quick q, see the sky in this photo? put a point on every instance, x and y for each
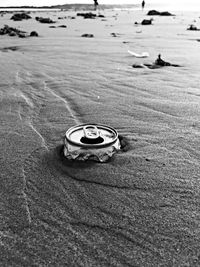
(176, 4)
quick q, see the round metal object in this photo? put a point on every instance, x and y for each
(91, 141)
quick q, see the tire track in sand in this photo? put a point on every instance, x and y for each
(29, 121)
(38, 133)
(28, 214)
(28, 108)
(67, 104)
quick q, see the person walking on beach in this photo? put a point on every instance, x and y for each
(95, 4)
(143, 4)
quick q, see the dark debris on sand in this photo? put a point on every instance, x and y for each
(159, 63)
(113, 34)
(157, 13)
(192, 27)
(147, 22)
(20, 16)
(34, 34)
(62, 17)
(87, 35)
(59, 26)
(89, 15)
(9, 48)
(7, 30)
(138, 66)
(62, 26)
(71, 17)
(44, 20)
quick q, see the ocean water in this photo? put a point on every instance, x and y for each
(28, 9)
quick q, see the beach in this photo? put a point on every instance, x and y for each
(142, 207)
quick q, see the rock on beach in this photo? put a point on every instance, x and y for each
(157, 13)
(44, 20)
(7, 30)
(87, 35)
(20, 16)
(88, 15)
(147, 22)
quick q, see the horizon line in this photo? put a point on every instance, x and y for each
(72, 4)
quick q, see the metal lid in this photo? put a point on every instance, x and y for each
(91, 135)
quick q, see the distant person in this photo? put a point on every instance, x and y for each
(95, 4)
(143, 4)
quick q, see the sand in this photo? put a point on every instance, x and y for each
(142, 207)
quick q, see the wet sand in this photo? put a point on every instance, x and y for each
(142, 207)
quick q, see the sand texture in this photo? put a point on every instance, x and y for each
(142, 208)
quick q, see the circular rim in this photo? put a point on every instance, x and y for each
(80, 126)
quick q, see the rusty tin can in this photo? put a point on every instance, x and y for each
(91, 142)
